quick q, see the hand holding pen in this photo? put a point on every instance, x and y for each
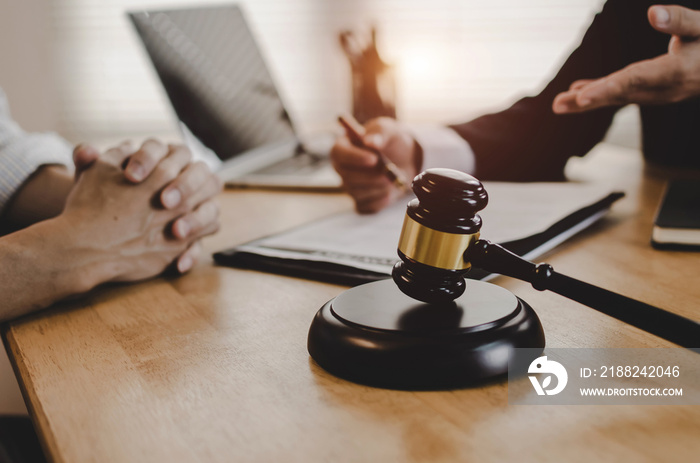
(356, 132)
(376, 161)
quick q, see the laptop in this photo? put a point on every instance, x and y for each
(229, 110)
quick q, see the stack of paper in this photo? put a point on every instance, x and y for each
(366, 244)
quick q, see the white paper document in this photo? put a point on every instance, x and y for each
(514, 211)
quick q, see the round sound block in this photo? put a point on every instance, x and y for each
(374, 334)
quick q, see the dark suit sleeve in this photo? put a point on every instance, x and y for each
(528, 142)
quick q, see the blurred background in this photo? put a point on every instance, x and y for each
(77, 67)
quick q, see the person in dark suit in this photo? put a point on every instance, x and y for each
(625, 57)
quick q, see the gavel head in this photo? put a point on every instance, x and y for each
(439, 226)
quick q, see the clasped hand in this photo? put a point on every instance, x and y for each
(136, 212)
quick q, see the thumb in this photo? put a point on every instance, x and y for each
(375, 140)
(676, 20)
(83, 157)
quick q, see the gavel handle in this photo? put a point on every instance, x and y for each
(495, 259)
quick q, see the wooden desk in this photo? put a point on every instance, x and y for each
(213, 366)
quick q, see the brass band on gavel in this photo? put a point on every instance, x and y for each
(434, 248)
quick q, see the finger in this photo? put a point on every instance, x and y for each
(378, 132)
(140, 164)
(365, 178)
(580, 83)
(377, 140)
(185, 185)
(647, 79)
(367, 194)
(211, 187)
(83, 157)
(188, 258)
(379, 124)
(170, 167)
(118, 154)
(345, 155)
(674, 44)
(204, 220)
(674, 19)
(385, 135)
(372, 205)
(565, 103)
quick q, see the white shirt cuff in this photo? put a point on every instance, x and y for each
(443, 147)
(23, 155)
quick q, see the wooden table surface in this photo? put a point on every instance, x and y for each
(213, 366)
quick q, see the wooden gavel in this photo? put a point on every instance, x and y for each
(440, 242)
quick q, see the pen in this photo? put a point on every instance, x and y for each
(356, 132)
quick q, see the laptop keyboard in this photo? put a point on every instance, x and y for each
(302, 163)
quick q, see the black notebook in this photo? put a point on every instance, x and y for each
(677, 223)
(351, 249)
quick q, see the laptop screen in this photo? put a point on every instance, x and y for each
(215, 77)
